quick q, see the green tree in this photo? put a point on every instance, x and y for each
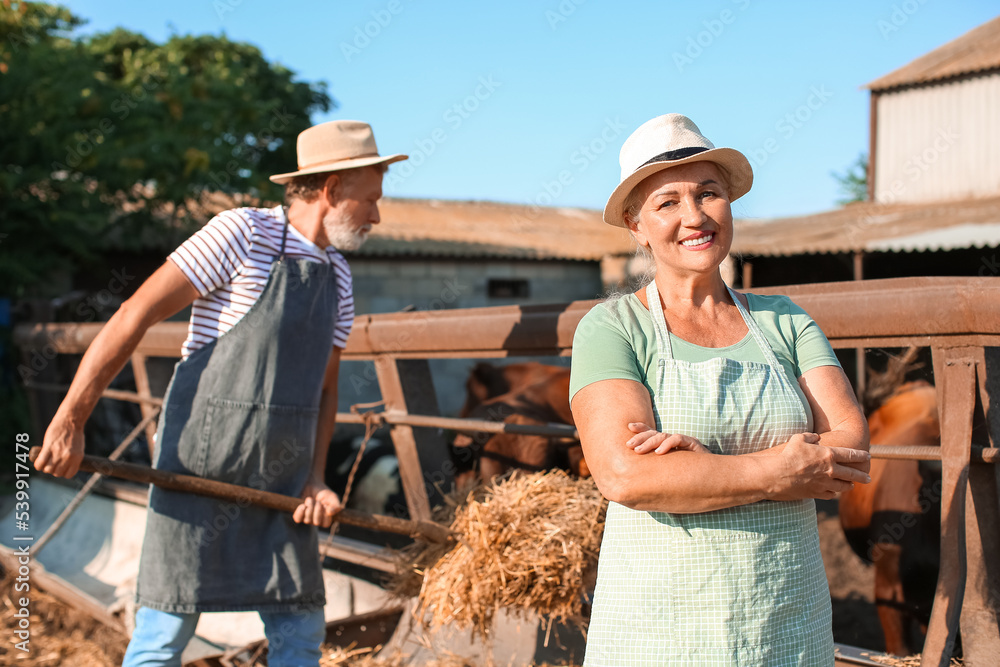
(113, 142)
(854, 181)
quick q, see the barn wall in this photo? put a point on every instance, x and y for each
(385, 285)
(390, 284)
(938, 142)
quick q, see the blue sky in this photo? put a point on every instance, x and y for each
(530, 102)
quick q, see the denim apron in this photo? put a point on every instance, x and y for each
(243, 409)
(738, 586)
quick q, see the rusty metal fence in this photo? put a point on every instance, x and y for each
(957, 318)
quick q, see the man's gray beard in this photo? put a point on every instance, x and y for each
(343, 237)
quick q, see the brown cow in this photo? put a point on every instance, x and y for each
(894, 522)
(487, 381)
(536, 394)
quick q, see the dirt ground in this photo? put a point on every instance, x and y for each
(61, 636)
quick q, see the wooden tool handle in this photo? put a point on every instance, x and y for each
(428, 530)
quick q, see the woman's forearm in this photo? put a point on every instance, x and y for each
(684, 482)
(679, 481)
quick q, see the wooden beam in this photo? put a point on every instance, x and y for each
(860, 362)
(955, 378)
(425, 469)
(872, 141)
(141, 375)
(866, 309)
(747, 275)
(980, 618)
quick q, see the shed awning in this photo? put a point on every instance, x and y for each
(970, 223)
(949, 238)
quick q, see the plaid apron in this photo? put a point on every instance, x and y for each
(739, 586)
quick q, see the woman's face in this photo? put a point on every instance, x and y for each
(686, 220)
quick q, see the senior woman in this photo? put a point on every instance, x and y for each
(711, 420)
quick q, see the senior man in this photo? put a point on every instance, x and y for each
(253, 401)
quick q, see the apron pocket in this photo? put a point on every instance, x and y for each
(735, 590)
(267, 447)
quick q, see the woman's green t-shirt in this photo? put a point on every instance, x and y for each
(615, 341)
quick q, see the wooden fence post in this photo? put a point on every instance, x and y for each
(424, 464)
(955, 377)
(980, 621)
(141, 376)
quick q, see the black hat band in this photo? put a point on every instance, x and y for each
(678, 154)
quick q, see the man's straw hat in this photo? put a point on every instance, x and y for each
(337, 145)
(668, 141)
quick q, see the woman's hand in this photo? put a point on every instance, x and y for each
(647, 439)
(808, 470)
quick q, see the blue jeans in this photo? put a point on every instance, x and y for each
(293, 638)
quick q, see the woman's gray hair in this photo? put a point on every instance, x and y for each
(632, 206)
(641, 268)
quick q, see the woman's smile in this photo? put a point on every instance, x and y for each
(685, 220)
(699, 241)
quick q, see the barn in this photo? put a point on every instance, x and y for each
(933, 205)
(430, 255)
(434, 254)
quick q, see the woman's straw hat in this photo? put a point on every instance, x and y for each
(333, 146)
(668, 141)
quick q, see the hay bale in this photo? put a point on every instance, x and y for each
(528, 542)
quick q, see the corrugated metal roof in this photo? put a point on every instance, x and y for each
(389, 247)
(467, 229)
(975, 51)
(432, 227)
(972, 223)
(949, 238)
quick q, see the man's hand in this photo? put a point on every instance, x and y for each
(648, 439)
(319, 504)
(62, 449)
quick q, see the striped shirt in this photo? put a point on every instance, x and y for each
(229, 261)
